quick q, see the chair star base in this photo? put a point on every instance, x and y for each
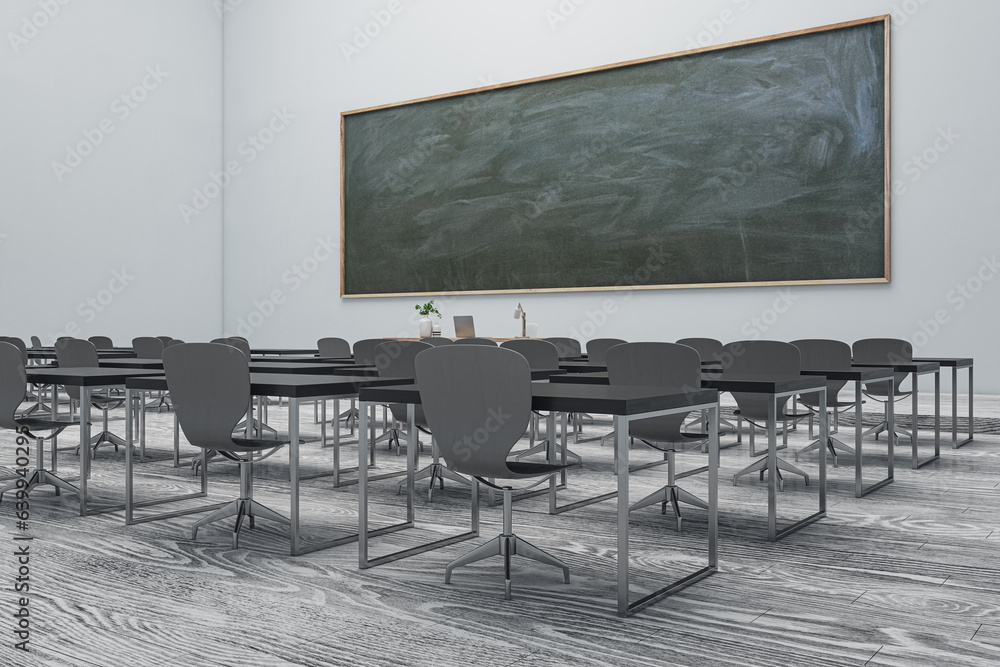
(506, 544)
(673, 495)
(832, 444)
(760, 465)
(39, 477)
(241, 508)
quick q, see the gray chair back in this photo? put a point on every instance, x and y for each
(883, 351)
(760, 357)
(437, 340)
(477, 401)
(147, 347)
(541, 354)
(395, 359)
(102, 342)
(19, 344)
(475, 341)
(36, 342)
(164, 339)
(822, 353)
(333, 347)
(568, 347)
(708, 349)
(597, 349)
(239, 343)
(76, 353)
(209, 386)
(364, 350)
(655, 365)
(13, 380)
(173, 341)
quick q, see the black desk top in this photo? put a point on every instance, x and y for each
(603, 400)
(860, 373)
(957, 362)
(763, 384)
(294, 368)
(281, 351)
(908, 366)
(279, 384)
(85, 377)
(35, 353)
(134, 363)
(582, 366)
(291, 359)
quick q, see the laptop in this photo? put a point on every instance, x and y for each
(464, 328)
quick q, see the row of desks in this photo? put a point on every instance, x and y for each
(566, 393)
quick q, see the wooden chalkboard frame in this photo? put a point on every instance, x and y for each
(885, 66)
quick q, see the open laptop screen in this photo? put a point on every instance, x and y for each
(464, 328)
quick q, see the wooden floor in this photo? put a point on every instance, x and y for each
(909, 575)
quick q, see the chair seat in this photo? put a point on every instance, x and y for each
(254, 444)
(529, 469)
(109, 402)
(33, 423)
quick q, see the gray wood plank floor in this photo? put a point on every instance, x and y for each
(909, 575)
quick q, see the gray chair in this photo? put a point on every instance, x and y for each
(541, 355)
(884, 351)
(769, 358)
(820, 353)
(102, 342)
(569, 348)
(476, 341)
(36, 342)
(395, 359)
(147, 347)
(660, 365)
(23, 350)
(597, 349)
(710, 349)
(76, 353)
(13, 380)
(364, 350)
(210, 383)
(164, 339)
(436, 341)
(461, 389)
(172, 341)
(334, 348)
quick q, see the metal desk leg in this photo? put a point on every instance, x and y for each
(859, 488)
(772, 451)
(621, 453)
(293, 470)
(917, 463)
(621, 456)
(84, 447)
(772, 467)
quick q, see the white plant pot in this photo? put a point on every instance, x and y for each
(425, 327)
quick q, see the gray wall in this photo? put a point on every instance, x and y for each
(125, 96)
(291, 67)
(292, 54)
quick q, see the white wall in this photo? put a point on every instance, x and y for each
(101, 248)
(60, 241)
(289, 54)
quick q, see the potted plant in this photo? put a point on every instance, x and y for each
(425, 322)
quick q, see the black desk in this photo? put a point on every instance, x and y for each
(88, 380)
(132, 364)
(956, 363)
(283, 351)
(296, 388)
(50, 353)
(916, 369)
(582, 367)
(624, 404)
(776, 387)
(289, 359)
(859, 376)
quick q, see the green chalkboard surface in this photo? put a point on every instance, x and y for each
(760, 162)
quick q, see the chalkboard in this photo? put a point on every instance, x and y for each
(759, 162)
